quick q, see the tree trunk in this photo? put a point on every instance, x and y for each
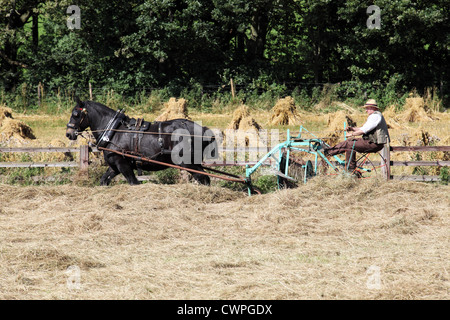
(17, 19)
(35, 32)
(259, 27)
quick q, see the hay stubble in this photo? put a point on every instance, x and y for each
(193, 242)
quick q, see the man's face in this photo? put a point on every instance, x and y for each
(370, 110)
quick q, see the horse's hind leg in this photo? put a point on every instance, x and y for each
(119, 165)
(200, 178)
(126, 169)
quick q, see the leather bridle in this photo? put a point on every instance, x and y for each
(83, 117)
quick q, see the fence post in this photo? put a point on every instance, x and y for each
(84, 158)
(39, 94)
(233, 88)
(386, 157)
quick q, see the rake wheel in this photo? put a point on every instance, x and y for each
(298, 169)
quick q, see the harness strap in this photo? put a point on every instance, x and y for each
(160, 139)
(136, 136)
(139, 128)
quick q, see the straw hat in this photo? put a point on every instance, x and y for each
(371, 103)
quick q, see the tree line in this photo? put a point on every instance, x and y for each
(262, 44)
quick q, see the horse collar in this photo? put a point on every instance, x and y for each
(112, 125)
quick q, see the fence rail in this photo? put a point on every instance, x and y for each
(83, 164)
(84, 151)
(386, 154)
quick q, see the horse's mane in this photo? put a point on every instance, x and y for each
(102, 109)
(97, 105)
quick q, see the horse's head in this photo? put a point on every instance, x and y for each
(78, 120)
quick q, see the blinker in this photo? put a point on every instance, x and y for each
(76, 113)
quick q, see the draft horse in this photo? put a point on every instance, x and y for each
(180, 142)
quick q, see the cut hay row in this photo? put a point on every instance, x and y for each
(5, 112)
(196, 242)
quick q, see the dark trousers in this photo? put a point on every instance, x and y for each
(356, 145)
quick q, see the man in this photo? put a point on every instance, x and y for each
(374, 136)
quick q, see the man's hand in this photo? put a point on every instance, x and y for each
(355, 132)
(350, 129)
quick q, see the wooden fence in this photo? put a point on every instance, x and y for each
(85, 150)
(82, 164)
(386, 154)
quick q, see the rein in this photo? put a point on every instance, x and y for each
(232, 178)
(186, 135)
(153, 132)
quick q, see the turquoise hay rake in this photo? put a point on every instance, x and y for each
(291, 169)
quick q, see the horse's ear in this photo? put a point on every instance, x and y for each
(79, 102)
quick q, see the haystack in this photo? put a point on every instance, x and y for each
(335, 126)
(417, 137)
(346, 106)
(12, 128)
(174, 109)
(57, 156)
(285, 113)
(422, 137)
(391, 118)
(242, 120)
(244, 124)
(248, 124)
(415, 111)
(389, 112)
(58, 143)
(5, 112)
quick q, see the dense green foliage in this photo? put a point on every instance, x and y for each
(269, 47)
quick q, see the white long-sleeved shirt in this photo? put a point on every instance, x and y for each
(372, 121)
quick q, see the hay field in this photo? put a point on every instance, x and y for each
(333, 238)
(320, 241)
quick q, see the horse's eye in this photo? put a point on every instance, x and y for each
(75, 113)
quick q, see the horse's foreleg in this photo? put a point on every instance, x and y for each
(106, 178)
